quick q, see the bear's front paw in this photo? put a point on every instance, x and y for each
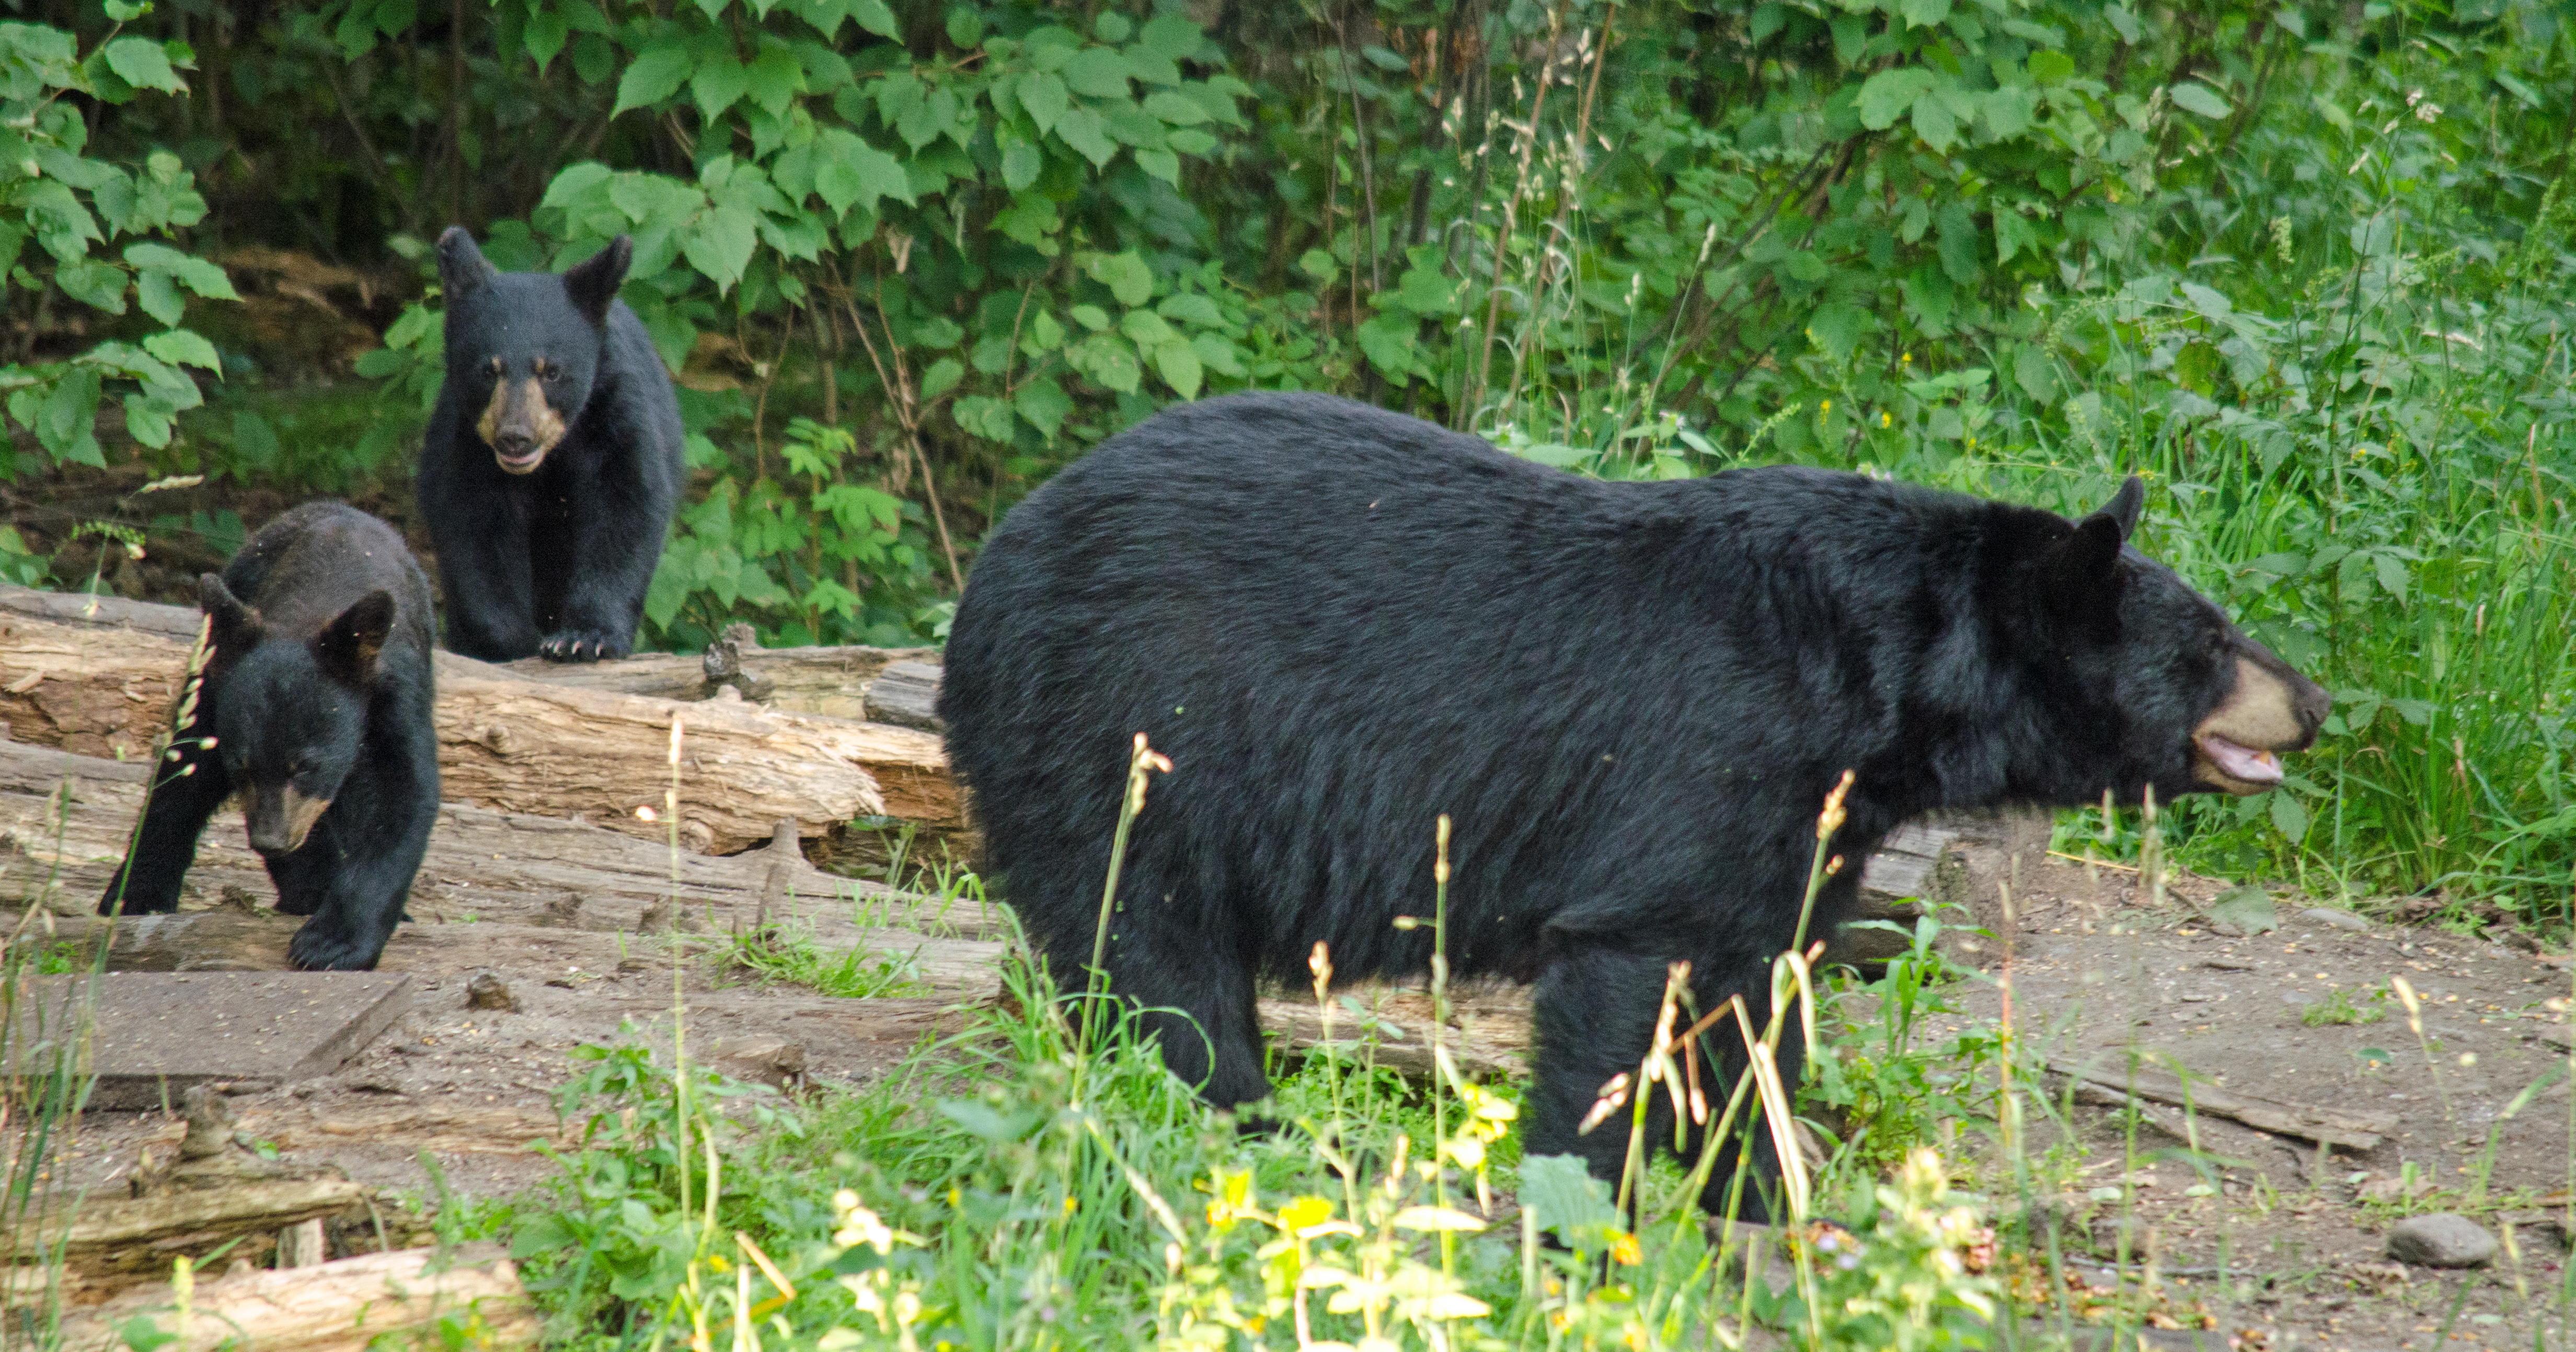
(318, 949)
(580, 645)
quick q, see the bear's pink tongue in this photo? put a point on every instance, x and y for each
(2243, 764)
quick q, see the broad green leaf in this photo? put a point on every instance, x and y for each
(720, 243)
(2051, 68)
(983, 416)
(2289, 815)
(1837, 328)
(655, 75)
(1179, 366)
(1126, 276)
(1162, 164)
(1563, 1196)
(1216, 354)
(2392, 575)
(874, 16)
(1109, 360)
(1935, 123)
(159, 296)
(94, 283)
(545, 34)
(143, 63)
(1044, 96)
(1146, 329)
(2193, 97)
(716, 84)
(183, 348)
(1191, 309)
(1172, 37)
(198, 275)
(1045, 404)
(1020, 163)
(942, 377)
(777, 77)
(1957, 224)
(1924, 13)
(1886, 96)
(1081, 129)
(1178, 109)
(1098, 72)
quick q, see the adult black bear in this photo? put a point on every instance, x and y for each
(1631, 697)
(315, 710)
(553, 461)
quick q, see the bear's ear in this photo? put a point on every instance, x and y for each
(2124, 507)
(462, 269)
(2085, 559)
(593, 284)
(347, 646)
(236, 628)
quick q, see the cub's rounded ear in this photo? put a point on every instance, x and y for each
(462, 269)
(594, 282)
(348, 645)
(236, 626)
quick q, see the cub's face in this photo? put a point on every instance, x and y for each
(290, 711)
(2153, 684)
(523, 348)
(288, 737)
(529, 369)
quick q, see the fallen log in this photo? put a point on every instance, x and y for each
(343, 1306)
(102, 1235)
(102, 685)
(65, 821)
(2348, 1128)
(532, 746)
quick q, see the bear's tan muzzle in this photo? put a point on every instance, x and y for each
(2271, 712)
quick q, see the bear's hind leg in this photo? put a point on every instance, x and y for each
(1594, 1019)
(1194, 994)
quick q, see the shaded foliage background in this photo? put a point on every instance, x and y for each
(2308, 266)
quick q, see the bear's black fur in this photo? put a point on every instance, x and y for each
(315, 710)
(553, 462)
(1632, 698)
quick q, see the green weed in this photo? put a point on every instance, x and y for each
(2361, 1005)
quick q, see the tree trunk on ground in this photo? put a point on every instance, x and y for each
(334, 1307)
(103, 686)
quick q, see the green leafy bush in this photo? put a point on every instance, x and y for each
(96, 229)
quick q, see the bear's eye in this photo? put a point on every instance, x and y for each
(303, 765)
(553, 375)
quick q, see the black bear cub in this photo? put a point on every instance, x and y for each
(553, 461)
(315, 712)
(1632, 699)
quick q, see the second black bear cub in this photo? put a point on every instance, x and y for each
(553, 462)
(315, 711)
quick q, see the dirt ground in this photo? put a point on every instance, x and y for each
(2255, 1240)
(2266, 1240)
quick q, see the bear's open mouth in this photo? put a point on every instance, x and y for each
(2241, 763)
(520, 464)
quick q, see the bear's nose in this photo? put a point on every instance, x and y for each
(515, 441)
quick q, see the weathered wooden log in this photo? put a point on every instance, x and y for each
(142, 1234)
(343, 1306)
(907, 693)
(65, 821)
(103, 686)
(532, 746)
